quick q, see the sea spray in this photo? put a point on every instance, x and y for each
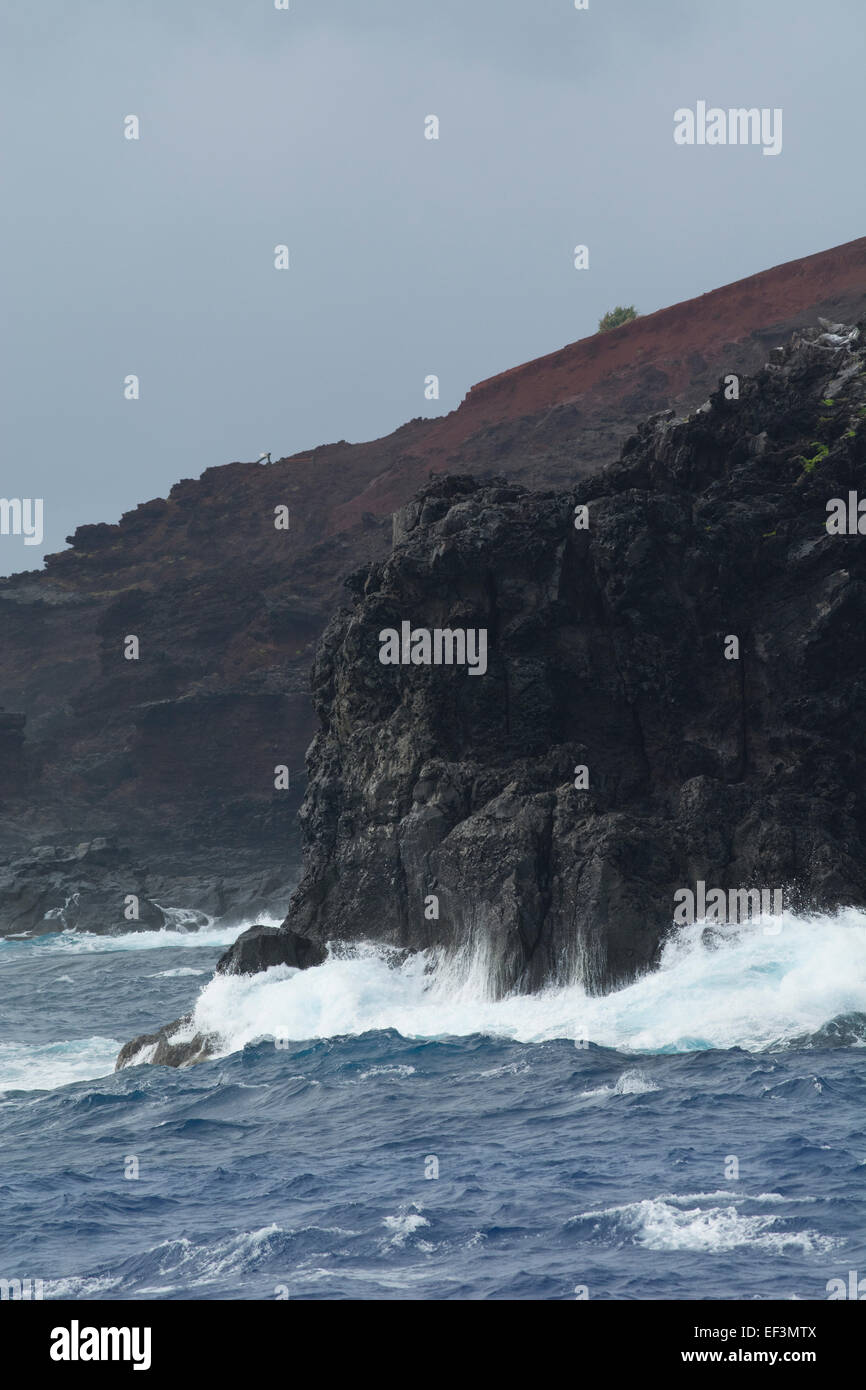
(734, 987)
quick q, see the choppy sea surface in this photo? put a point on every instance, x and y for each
(394, 1133)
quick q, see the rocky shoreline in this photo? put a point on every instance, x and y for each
(103, 887)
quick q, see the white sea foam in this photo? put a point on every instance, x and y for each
(88, 943)
(178, 973)
(746, 989)
(41, 1067)
(204, 1263)
(684, 1223)
(28, 1066)
(403, 1227)
(80, 1286)
(398, 1071)
(631, 1083)
(182, 1263)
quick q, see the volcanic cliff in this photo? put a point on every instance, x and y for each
(156, 777)
(674, 692)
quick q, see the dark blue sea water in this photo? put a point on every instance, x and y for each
(705, 1143)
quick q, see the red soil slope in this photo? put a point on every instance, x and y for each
(671, 351)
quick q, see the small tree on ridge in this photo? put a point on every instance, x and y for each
(614, 317)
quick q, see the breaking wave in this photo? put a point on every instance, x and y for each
(708, 1222)
(43, 1066)
(737, 986)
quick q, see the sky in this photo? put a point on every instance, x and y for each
(408, 257)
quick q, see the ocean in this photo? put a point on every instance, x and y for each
(382, 1131)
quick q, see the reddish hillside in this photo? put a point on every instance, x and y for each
(666, 358)
(669, 338)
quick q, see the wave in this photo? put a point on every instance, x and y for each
(402, 1228)
(42, 1067)
(673, 1222)
(26, 1066)
(631, 1083)
(85, 943)
(737, 986)
(179, 972)
(179, 1263)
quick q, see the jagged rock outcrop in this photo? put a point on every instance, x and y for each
(175, 1045)
(258, 948)
(104, 887)
(441, 806)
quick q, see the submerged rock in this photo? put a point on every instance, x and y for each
(845, 1030)
(172, 1046)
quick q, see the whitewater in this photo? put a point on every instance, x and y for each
(750, 988)
(696, 1134)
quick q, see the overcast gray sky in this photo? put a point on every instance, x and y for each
(408, 256)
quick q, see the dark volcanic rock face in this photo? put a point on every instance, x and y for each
(441, 807)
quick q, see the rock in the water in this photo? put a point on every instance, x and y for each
(175, 1045)
(845, 1030)
(258, 948)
